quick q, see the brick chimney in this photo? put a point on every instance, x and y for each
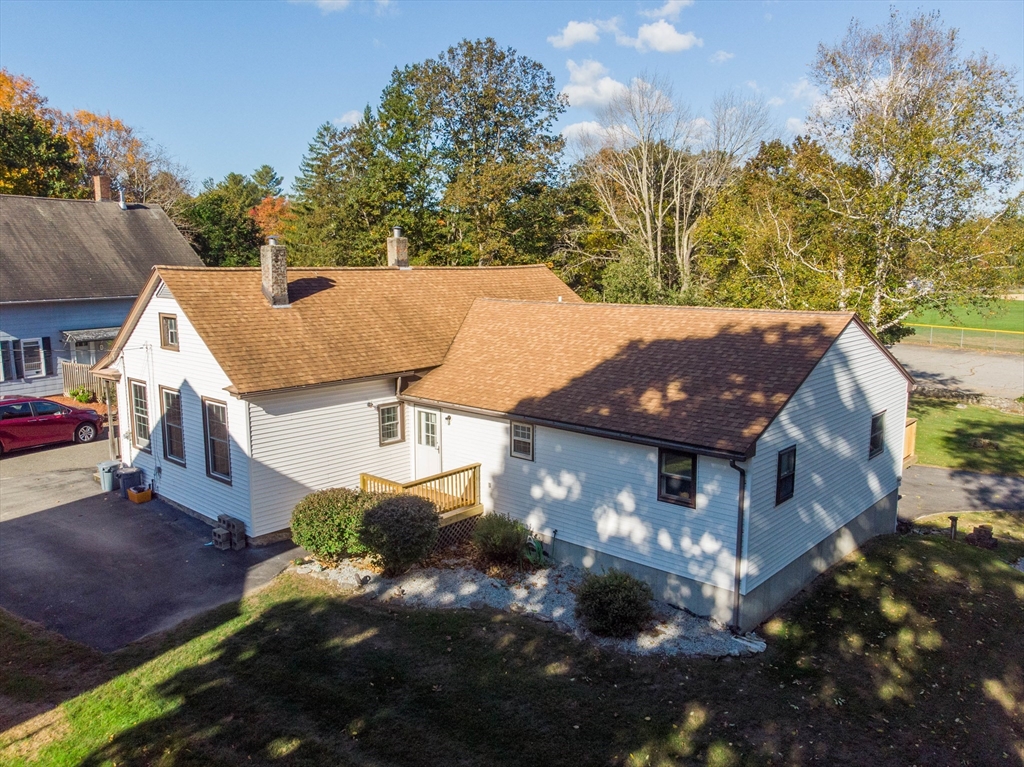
(274, 262)
(398, 249)
(101, 188)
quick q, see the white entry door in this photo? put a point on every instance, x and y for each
(428, 443)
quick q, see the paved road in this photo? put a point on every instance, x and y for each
(104, 571)
(989, 373)
(931, 490)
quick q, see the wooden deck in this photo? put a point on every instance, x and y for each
(456, 493)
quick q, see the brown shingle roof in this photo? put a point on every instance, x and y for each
(342, 323)
(710, 378)
(68, 249)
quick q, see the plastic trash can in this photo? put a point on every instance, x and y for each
(130, 477)
(108, 475)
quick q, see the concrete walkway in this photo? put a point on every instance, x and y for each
(989, 373)
(931, 490)
(105, 571)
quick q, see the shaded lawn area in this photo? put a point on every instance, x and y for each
(949, 436)
(1002, 315)
(910, 654)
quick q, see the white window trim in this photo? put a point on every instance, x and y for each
(42, 358)
(400, 423)
(512, 439)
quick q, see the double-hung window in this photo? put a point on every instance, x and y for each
(140, 414)
(32, 358)
(174, 427)
(218, 444)
(169, 332)
(390, 419)
(785, 477)
(877, 444)
(677, 477)
(522, 441)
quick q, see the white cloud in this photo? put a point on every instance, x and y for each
(670, 10)
(589, 84)
(804, 90)
(720, 57)
(351, 117)
(575, 32)
(660, 36)
(590, 132)
(752, 84)
(796, 126)
(775, 101)
(326, 6)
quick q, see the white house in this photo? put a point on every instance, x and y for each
(726, 456)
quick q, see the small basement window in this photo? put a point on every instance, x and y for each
(877, 446)
(169, 332)
(785, 478)
(391, 426)
(522, 441)
(677, 477)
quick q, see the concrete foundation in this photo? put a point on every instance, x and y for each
(755, 607)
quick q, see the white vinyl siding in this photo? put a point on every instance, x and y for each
(602, 494)
(194, 374)
(828, 420)
(311, 440)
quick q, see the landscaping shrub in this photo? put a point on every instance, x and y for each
(614, 604)
(399, 531)
(326, 523)
(500, 539)
(82, 394)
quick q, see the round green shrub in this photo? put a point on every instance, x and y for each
(326, 523)
(399, 531)
(614, 604)
(500, 539)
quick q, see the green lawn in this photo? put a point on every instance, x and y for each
(963, 437)
(1002, 315)
(910, 654)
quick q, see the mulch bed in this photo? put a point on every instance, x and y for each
(99, 407)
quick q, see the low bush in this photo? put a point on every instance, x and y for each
(326, 523)
(82, 394)
(500, 539)
(399, 531)
(614, 604)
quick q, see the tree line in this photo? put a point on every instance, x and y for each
(903, 191)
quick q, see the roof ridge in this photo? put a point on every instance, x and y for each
(89, 200)
(501, 267)
(835, 312)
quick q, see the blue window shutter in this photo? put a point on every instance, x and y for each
(19, 362)
(47, 357)
(7, 360)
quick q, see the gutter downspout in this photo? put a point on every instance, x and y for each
(739, 546)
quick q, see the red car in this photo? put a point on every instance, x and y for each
(29, 422)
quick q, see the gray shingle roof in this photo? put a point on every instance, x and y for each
(53, 249)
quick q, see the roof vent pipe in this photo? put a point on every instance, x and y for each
(398, 249)
(120, 201)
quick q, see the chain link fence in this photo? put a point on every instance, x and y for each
(967, 338)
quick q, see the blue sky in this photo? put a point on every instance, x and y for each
(230, 86)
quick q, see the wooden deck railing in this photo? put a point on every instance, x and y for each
(449, 490)
(75, 375)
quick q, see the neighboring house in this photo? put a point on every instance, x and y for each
(726, 456)
(70, 271)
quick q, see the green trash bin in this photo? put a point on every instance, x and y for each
(108, 475)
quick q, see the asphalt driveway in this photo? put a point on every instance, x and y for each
(989, 373)
(934, 490)
(105, 571)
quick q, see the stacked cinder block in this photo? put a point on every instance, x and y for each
(982, 537)
(237, 529)
(221, 538)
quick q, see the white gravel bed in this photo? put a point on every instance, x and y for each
(545, 595)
